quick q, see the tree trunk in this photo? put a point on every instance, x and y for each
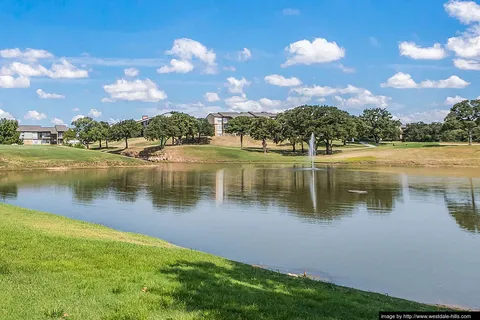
(264, 145)
(199, 137)
(469, 137)
(126, 143)
(100, 143)
(303, 150)
(173, 141)
(293, 147)
(241, 141)
(88, 146)
(328, 146)
(106, 144)
(344, 142)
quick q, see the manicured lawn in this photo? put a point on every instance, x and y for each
(12, 157)
(57, 268)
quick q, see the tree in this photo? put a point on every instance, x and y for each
(240, 126)
(292, 126)
(204, 128)
(103, 133)
(328, 124)
(159, 128)
(87, 130)
(125, 130)
(69, 135)
(182, 125)
(464, 115)
(379, 124)
(261, 129)
(8, 132)
(423, 132)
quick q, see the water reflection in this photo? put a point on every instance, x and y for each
(308, 194)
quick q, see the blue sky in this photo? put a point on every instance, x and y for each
(122, 59)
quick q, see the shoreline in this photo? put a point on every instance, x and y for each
(53, 232)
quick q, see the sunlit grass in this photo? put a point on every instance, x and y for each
(52, 267)
(25, 156)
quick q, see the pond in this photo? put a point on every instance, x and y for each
(415, 234)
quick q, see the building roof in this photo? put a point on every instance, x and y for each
(35, 128)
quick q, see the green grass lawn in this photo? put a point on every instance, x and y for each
(12, 157)
(52, 267)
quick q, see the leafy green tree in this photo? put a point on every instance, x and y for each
(159, 128)
(350, 131)
(423, 132)
(103, 133)
(454, 135)
(204, 128)
(69, 135)
(125, 130)
(329, 124)
(8, 132)
(87, 130)
(261, 129)
(464, 115)
(183, 125)
(379, 124)
(240, 126)
(291, 126)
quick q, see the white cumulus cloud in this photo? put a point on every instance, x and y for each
(281, 81)
(244, 55)
(467, 64)
(411, 50)
(131, 72)
(465, 11)
(75, 109)
(316, 91)
(28, 54)
(363, 98)
(94, 113)
(56, 121)
(136, 90)
(78, 116)
(211, 97)
(34, 115)
(346, 69)
(178, 66)
(436, 115)
(64, 69)
(404, 81)
(467, 45)
(14, 82)
(450, 101)
(43, 95)
(229, 68)
(186, 50)
(6, 115)
(236, 85)
(318, 51)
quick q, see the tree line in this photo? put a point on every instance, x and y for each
(330, 124)
(178, 126)
(294, 126)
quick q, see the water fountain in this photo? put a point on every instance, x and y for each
(311, 150)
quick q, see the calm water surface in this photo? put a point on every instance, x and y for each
(415, 234)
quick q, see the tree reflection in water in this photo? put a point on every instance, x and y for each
(323, 197)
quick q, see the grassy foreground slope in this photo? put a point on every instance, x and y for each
(21, 157)
(52, 267)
